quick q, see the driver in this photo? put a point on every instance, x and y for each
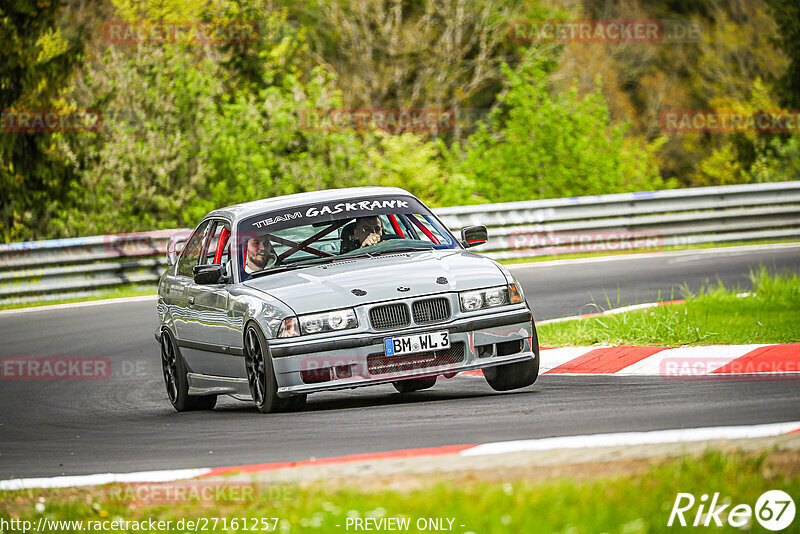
(260, 255)
(368, 231)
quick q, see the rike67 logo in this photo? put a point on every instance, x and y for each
(774, 510)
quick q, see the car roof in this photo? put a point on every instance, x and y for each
(241, 211)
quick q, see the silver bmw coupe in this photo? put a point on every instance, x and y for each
(275, 299)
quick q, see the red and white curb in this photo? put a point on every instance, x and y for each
(709, 361)
(618, 439)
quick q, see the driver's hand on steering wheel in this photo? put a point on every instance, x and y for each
(371, 239)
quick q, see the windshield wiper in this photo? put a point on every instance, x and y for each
(401, 249)
(312, 263)
(281, 269)
(364, 254)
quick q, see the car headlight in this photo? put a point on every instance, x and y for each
(315, 323)
(484, 298)
(471, 300)
(491, 297)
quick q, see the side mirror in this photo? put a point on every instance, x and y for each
(472, 236)
(175, 246)
(208, 274)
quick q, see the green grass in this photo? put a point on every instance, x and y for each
(131, 290)
(715, 315)
(601, 253)
(638, 501)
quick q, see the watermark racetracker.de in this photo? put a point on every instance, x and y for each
(196, 493)
(730, 121)
(141, 243)
(706, 368)
(189, 32)
(50, 120)
(55, 368)
(42, 368)
(549, 242)
(394, 121)
(606, 31)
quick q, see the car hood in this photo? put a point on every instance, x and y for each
(364, 280)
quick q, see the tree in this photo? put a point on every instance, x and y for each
(36, 61)
(426, 54)
(177, 143)
(787, 15)
(540, 145)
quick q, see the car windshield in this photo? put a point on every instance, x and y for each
(317, 233)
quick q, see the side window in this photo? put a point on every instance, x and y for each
(427, 232)
(387, 226)
(218, 249)
(423, 228)
(407, 230)
(191, 252)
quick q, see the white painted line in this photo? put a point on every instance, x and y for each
(645, 255)
(53, 307)
(687, 361)
(624, 309)
(634, 438)
(552, 358)
(503, 447)
(102, 478)
(612, 311)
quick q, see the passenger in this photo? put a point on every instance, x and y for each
(259, 256)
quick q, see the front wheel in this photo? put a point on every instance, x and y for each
(174, 370)
(261, 377)
(515, 375)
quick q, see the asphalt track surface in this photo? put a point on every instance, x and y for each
(125, 423)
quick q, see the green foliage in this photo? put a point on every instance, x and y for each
(787, 15)
(141, 169)
(751, 157)
(541, 145)
(409, 162)
(259, 147)
(191, 127)
(176, 144)
(722, 167)
(36, 60)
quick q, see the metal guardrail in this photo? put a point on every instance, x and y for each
(651, 219)
(65, 268)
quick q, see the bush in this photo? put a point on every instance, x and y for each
(539, 145)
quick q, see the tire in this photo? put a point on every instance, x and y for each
(261, 376)
(174, 370)
(515, 375)
(415, 384)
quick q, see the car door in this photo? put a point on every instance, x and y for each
(177, 286)
(215, 336)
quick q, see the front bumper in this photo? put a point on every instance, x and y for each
(357, 360)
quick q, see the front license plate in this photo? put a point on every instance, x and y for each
(416, 343)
